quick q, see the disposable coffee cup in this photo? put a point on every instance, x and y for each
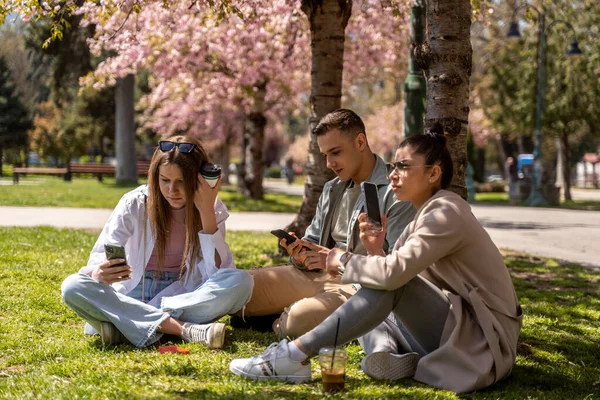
(333, 374)
(211, 173)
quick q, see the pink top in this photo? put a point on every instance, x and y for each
(175, 244)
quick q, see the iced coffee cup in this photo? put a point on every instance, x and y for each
(333, 373)
(211, 173)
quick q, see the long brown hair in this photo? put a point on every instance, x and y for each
(159, 210)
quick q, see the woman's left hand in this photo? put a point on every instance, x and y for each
(205, 196)
(333, 261)
(371, 238)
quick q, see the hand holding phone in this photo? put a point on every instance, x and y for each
(115, 252)
(281, 234)
(294, 247)
(372, 204)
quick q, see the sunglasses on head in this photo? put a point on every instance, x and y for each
(165, 145)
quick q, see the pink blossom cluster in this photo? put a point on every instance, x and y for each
(206, 67)
(385, 129)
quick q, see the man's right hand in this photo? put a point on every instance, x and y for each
(110, 271)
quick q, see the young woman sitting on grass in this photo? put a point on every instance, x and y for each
(441, 307)
(179, 275)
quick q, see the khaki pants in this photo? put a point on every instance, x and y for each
(303, 298)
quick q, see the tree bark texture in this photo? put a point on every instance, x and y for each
(126, 171)
(250, 178)
(446, 57)
(328, 20)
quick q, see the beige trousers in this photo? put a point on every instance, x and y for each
(304, 298)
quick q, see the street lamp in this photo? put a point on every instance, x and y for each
(415, 86)
(537, 198)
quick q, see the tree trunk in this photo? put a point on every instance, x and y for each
(328, 20)
(446, 58)
(125, 131)
(250, 178)
(566, 165)
(1, 156)
(480, 167)
(222, 157)
(501, 159)
(520, 146)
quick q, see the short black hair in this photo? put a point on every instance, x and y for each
(346, 121)
(432, 146)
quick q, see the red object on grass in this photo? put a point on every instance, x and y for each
(172, 349)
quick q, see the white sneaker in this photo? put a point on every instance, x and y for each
(274, 363)
(110, 334)
(212, 335)
(389, 366)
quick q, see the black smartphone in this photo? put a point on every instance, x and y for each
(281, 234)
(113, 252)
(372, 204)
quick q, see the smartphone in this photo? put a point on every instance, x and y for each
(281, 234)
(372, 204)
(113, 252)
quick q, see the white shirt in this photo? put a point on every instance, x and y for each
(125, 227)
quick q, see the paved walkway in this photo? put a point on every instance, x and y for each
(570, 235)
(564, 234)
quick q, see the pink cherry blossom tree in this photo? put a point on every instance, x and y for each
(236, 67)
(211, 75)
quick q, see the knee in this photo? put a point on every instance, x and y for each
(72, 287)
(298, 319)
(241, 280)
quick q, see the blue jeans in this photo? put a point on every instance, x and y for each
(225, 292)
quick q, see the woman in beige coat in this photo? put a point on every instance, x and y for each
(441, 307)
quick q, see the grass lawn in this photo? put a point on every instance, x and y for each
(88, 192)
(43, 353)
(502, 198)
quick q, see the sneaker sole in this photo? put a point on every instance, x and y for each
(385, 366)
(263, 378)
(217, 336)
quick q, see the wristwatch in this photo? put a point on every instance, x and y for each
(344, 258)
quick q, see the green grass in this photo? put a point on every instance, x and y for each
(43, 353)
(491, 197)
(88, 192)
(502, 198)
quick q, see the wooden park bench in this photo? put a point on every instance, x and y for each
(103, 169)
(79, 168)
(37, 171)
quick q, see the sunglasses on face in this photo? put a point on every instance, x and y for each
(165, 145)
(402, 167)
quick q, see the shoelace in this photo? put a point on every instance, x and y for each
(197, 333)
(270, 352)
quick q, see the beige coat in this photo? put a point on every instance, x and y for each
(446, 245)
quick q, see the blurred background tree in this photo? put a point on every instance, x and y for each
(14, 117)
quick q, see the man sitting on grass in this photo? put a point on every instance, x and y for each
(303, 293)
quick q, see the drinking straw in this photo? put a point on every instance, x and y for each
(337, 330)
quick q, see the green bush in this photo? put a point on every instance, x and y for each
(273, 172)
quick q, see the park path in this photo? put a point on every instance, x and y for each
(570, 235)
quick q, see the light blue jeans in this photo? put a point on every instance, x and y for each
(225, 292)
